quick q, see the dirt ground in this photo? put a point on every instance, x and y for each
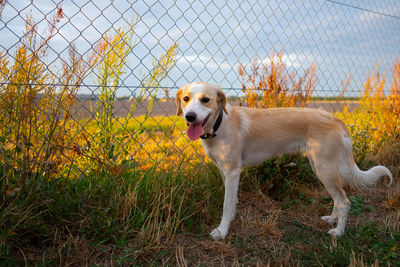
(268, 232)
(264, 228)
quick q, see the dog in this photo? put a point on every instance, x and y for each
(237, 137)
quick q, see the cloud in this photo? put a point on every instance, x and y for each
(292, 60)
(381, 12)
(203, 61)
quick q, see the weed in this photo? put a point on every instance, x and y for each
(273, 87)
(34, 115)
(375, 123)
(370, 241)
(358, 206)
(111, 146)
(114, 51)
(281, 177)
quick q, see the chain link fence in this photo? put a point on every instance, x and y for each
(90, 85)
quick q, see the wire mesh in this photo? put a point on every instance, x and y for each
(91, 84)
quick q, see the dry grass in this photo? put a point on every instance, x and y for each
(392, 220)
(262, 235)
(358, 261)
(265, 232)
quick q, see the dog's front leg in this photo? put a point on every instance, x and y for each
(230, 201)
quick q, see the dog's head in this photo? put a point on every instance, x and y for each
(200, 105)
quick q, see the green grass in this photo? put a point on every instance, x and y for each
(358, 206)
(315, 248)
(146, 208)
(141, 217)
(369, 240)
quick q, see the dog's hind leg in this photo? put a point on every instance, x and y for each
(330, 219)
(231, 181)
(341, 204)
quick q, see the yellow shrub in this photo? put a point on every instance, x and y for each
(377, 118)
(34, 113)
(269, 86)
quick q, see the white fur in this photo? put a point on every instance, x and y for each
(196, 107)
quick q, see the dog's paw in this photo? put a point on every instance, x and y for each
(218, 234)
(334, 232)
(329, 219)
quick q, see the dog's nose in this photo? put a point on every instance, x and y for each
(190, 116)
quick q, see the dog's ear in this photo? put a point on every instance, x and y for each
(178, 102)
(221, 99)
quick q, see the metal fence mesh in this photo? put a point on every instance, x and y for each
(106, 72)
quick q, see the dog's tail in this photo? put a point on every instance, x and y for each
(349, 170)
(363, 179)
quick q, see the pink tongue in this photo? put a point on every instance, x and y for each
(194, 131)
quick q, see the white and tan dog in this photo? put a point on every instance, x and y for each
(238, 137)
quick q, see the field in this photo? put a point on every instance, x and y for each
(83, 109)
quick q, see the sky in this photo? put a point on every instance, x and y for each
(342, 37)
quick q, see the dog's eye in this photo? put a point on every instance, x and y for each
(204, 100)
(186, 99)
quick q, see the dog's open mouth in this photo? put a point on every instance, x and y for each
(196, 129)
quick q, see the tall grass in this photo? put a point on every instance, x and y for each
(144, 209)
(114, 51)
(269, 85)
(375, 122)
(34, 114)
(115, 140)
(42, 147)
